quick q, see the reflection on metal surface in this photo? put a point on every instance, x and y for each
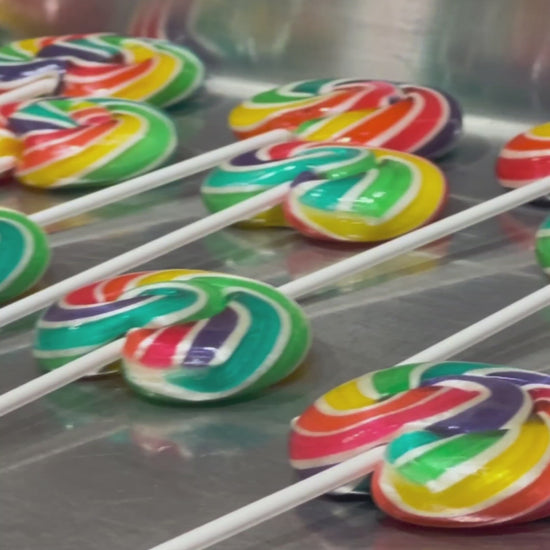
(252, 30)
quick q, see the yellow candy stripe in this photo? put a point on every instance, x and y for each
(105, 147)
(499, 478)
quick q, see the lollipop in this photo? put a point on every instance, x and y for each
(251, 173)
(190, 335)
(407, 118)
(525, 158)
(83, 142)
(467, 443)
(24, 253)
(338, 192)
(154, 71)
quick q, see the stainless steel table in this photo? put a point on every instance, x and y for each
(92, 466)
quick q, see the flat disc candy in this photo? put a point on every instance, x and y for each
(525, 158)
(467, 444)
(394, 194)
(408, 118)
(84, 142)
(24, 254)
(190, 335)
(256, 171)
(105, 65)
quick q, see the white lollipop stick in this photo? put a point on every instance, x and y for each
(299, 287)
(277, 503)
(155, 179)
(144, 253)
(303, 286)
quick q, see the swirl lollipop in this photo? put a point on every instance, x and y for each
(189, 335)
(467, 443)
(407, 118)
(338, 192)
(155, 71)
(525, 158)
(24, 253)
(83, 142)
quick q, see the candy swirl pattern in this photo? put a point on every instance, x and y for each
(525, 158)
(155, 71)
(395, 194)
(189, 335)
(254, 172)
(74, 142)
(24, 254)
(467, 444)
(407, 118)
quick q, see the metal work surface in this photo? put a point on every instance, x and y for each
(92, 466)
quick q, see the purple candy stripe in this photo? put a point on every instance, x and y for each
(522, 378)
(445, 138)
(212, 337)
(17, 71)
(56, 314)
(248, 159)
(68, 50)
(20, 126)
(505, 400)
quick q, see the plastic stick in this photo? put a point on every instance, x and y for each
(415, 239)
(336, 476)
(275, 504)
(142, 254)
(35, 389)
(300, 287)
(155, 179)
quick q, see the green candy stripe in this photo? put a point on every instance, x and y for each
(307, 88)
(150, 147)
(404, 377)
(441, 453)
(58, 342)
(237, 180)
(276, 337)
(542, 245)
(24, 254)
(381, 194)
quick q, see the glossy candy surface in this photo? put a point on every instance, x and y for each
(406, 118)
(190, 335)
(339, 192)
(82, 142)
(467, 444)
(525, 158)
(140, 69)
(24, 254)
(395, 194)
(257, 171)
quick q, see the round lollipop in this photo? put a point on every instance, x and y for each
(24, 253)
(53, 143)
(155, 71)
(189, 335)
(467, 444)
(525, 158)
(408, 118)
(338, 192)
